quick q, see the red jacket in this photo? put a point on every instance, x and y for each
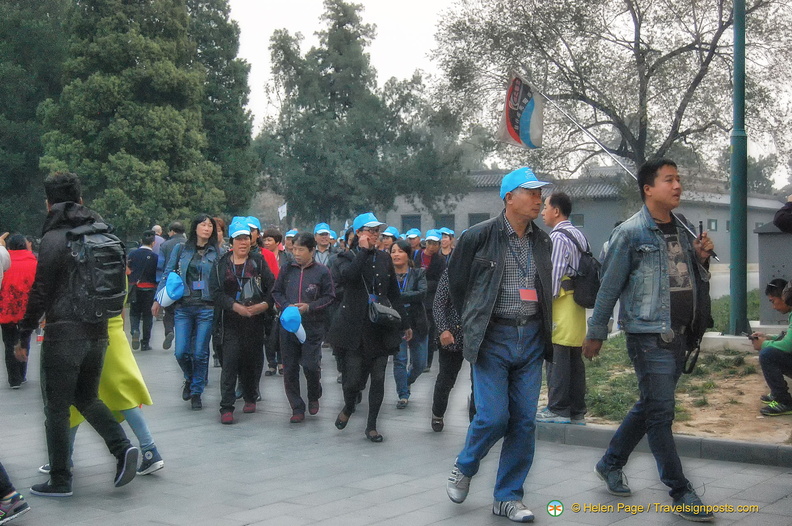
(17, 282)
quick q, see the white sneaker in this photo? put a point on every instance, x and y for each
(458, 486)
(513, 509)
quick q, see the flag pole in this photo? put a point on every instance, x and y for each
(606, 151)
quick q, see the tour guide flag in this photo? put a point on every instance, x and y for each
(522, 115)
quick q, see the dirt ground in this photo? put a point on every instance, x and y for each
(732, 412)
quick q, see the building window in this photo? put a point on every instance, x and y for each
(577, 220)
(411, 221)
(445, 220)
(712, 225)
(474, 219)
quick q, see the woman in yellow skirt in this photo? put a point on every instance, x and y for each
(122, 389)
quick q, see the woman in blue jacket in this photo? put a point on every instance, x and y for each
(195, 311)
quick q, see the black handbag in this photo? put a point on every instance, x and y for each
(381, 314)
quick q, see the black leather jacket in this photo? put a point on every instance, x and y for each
(475, 273)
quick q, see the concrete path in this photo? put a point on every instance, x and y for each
(263, 470)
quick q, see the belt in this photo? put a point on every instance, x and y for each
(672, 333)
(516, 322)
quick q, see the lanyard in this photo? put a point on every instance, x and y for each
(241, 274)
(519, 263)
(403, 283)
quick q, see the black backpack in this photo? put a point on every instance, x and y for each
(97, 272)
(586, 282)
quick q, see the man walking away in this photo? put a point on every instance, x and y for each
(72, 351)
(142, 287)
(176, 237)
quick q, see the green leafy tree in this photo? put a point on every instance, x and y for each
(641, 75)
(128, 120)
(226, 122)
(32, 50)
(339, 145)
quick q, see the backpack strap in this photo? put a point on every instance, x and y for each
(572, 238)
(88, 229)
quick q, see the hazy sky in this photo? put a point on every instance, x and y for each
(405, 36)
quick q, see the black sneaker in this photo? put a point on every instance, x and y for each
(766, 399)
(135, 340)
(145, 347)
(13, 507)
(776, 408)
(166, 343)
(196, 402)
(126, 468)
(614, 479)
(47, 489)
(689, 507)
(186, 390)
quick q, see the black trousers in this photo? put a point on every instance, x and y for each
(140, 310)
(70, 372)
(242, 349)
(17, 371)
(450, 364)
(566, 382)
(309, 356)
(358, 367)
(5, 483)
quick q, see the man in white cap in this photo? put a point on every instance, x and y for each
(500, 280)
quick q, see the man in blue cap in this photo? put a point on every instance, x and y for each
(500, 281)
(433, 264)
(323, 248)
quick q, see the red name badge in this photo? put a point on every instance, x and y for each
(528, 295)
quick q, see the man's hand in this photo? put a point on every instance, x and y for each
(757, 339)
(408, 335)
(155, 309)
(704, 246)
(257, 308)
(446, 338)
(591, 348)
(3, 238)
(363, 242)
(20, 353)
(302, 307)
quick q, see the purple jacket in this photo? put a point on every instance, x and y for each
(312, 285)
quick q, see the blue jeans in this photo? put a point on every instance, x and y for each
(658, 366)
(193, 326)
(418, 348)
(775, 365)
(506, 379)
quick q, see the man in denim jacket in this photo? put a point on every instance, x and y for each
(655, 267)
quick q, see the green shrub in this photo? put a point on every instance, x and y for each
(721, 309)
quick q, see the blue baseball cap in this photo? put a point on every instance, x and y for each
(433, 235)
(446, 230)
(290, 233)
(172, 292)
(321, 228)
(291, 319)
(520, 178)
(253, 222)
(238, 228)
(391, 231)
(333, 234)
(413, 232)
(368, 219)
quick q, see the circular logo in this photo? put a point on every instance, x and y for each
(555, 508)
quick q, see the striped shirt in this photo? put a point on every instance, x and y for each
(566, 257)
(518, 261)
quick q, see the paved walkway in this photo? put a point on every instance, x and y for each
(263, 470)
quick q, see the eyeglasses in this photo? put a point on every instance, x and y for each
(372, 229)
